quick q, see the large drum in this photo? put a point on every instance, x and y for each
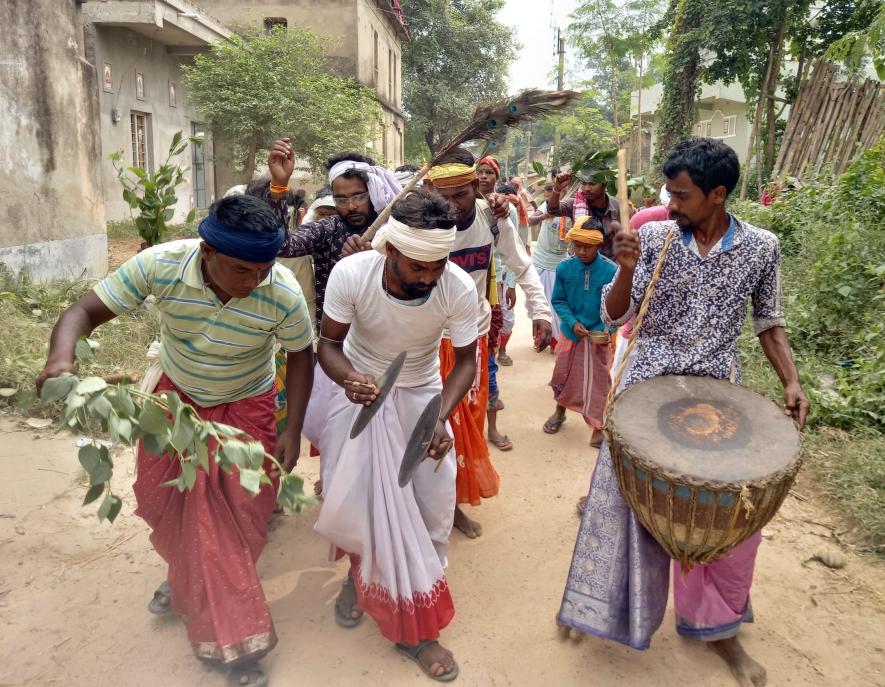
(703, 463)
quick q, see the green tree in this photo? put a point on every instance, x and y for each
(457, 58)
(678, 109)
(261, 86)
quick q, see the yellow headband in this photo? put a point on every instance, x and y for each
(578, 233)
(452, 174)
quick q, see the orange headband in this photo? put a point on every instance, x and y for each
(452, 174)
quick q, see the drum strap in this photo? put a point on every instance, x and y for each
(643, 308)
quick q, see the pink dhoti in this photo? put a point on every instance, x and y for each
(581, 378)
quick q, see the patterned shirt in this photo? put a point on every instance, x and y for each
(212, 351)
(700, 303)
(322, 240)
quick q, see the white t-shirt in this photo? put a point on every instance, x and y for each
(382, 327)
(473, 251)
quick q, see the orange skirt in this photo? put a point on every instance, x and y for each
(477, 477)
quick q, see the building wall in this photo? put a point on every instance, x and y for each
(52, 215)
(128, 53)
(710, 122)
(351, 26)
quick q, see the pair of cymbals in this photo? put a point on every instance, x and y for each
(422, 434)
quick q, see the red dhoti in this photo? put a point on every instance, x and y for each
(211, 537)
(477, 477)
(581, 379)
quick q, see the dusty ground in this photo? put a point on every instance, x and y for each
(73, 592)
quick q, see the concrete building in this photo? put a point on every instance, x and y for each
(722, 113)
(137, 48)
(52, 221)
(367, 38)
(107, 79)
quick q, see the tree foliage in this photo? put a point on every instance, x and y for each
(260, 86)
(457, 59)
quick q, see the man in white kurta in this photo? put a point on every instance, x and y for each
(399, 297)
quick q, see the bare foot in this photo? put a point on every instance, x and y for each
(318, 488)
(566, 632)
(596, 438)
(746, 671)
(469, 527)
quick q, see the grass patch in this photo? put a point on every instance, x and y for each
(125, 229)
(29, 311)
(851, 465)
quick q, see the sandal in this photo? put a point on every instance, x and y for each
(413, 652)
(342, 614)
(503, 444)
(552, 426)
(247, 675)
(504, 359)
(162, 601)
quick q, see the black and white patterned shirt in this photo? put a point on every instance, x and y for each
(322, 240)
(699, 306)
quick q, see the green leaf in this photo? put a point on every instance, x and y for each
(90, 458)
(121, 399)
(188, 474)
(121, 428)
(182, 433)
(176, 139)
(139, 172)
(202, 451)
(173, 402)
(191, 215)
(156, 444)
(100, 406)
(845, 291)
(250, 480)
(153, 419)
(109, 508)
(83, 351)
(236, 452)
(105, 455)
(539, 169)
(57, 388)
(91, 385)
(93, 493)
(101, 474)
(116, 506)
(256, 454)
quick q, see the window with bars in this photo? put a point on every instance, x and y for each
(139, 123)
(390, 75)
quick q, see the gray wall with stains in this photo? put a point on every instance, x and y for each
(52, 221)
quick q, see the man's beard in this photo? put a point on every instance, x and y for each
(683, 222)
(412, 291)
(358, 222)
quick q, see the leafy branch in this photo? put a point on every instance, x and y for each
(153, 195)
(168, 427)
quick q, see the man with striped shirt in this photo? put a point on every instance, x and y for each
(223, 303)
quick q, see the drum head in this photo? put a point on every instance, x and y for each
(704, 428)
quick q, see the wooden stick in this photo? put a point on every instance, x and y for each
(623, 198)
(369, 233)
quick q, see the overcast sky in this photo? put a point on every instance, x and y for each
(533, 22)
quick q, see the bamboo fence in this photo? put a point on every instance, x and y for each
(830, 123)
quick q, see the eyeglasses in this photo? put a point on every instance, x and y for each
(344, 201)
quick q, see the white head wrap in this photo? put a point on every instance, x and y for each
(426, 245)
(383, 186)
(321, 202)
(664, 195)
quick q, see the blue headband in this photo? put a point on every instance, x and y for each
(242, 245)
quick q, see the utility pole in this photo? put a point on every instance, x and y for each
(560, 52)
(528, 153)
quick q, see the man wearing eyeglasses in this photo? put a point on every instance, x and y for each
(360, 190)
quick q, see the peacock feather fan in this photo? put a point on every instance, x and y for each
(491, 122)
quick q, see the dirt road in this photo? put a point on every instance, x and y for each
(73, 593)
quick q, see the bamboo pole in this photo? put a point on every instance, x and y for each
(623, 198)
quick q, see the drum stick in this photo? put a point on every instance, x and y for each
(623, 197)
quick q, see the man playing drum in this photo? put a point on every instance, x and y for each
(619, 577)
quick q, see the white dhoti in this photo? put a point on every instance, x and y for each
(548, 280)
(397, 538)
